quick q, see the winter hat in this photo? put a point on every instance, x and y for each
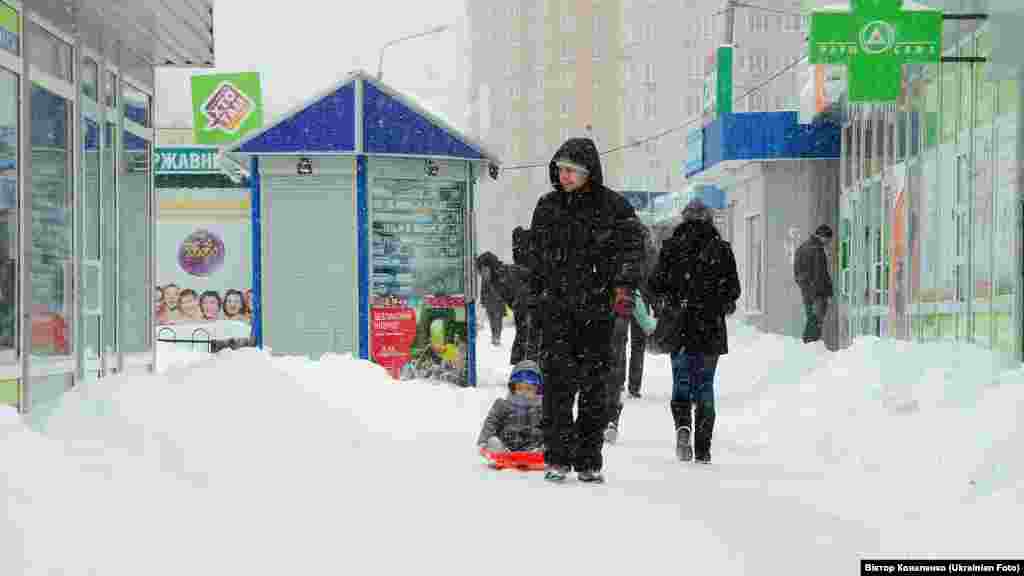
(527, 372)
(567, 163)
(824, 231)
(697, 211)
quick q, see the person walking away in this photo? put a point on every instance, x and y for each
(584, 263)
(490, 297)
(628, 331)
(810, 269)
(696, 274)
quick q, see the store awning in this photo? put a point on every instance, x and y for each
(734, 140)
(178, 33)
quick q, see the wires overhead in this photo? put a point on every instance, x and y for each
(766, 9)
(686, 124)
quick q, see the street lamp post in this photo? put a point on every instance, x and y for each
(380, 62)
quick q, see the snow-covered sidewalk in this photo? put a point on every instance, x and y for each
(246, 464)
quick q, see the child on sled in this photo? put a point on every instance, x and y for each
(511, 434)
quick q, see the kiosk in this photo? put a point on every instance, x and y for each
(363, 239)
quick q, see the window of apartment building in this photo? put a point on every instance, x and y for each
(597, 84)
(649, 32)
(754, 285)
(563, 133)
(650, 106)
(513, 11)
(709, 27)
(649, 72)
(627, 72)
(563, 108)
(595, 49)
(539, 81)
(568, 22)
(691, 105)
(514, 92)
(509, 68)
(566, 52)
(598, 28)
(741, 60)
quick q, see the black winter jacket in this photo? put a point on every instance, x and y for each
(697, 270)
(810, 270)
(583, 244)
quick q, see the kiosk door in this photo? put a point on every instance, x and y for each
(309, 276)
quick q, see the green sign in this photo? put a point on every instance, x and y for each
(9, 28)
(874, 40)
(186, 160)
(226, 106)
(717, 99)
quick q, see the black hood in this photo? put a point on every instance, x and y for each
(487, 260)
(580, 151)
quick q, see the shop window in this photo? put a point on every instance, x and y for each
(110, 89)
(133, 206)
(49, 53)
(754, 285)
(136, 105)
(950, 102)
(10, 29)
(52, 284)
(8, 227)
(90, 79)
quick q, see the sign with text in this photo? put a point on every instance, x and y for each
(874, 39)
(226, 107)
(186, 160)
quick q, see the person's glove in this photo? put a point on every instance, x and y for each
(623, 305)
(494, 444)
(642, 314)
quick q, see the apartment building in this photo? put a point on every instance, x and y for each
(541, 71)
(666, 54)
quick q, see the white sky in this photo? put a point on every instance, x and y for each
(302, 47)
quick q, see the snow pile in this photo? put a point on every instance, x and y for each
(242, 463)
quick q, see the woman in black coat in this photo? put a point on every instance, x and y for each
(696, 272)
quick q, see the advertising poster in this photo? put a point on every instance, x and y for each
(394, 331)
(418, 307)
(226, 107)
(204, 246)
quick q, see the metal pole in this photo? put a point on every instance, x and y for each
(729, 29)
(25, 221)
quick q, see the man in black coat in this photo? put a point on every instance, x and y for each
(527, 340)
(510, 284)
(696, 274)
(584, 259)
(810, 270)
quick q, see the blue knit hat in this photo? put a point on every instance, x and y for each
(527, 372)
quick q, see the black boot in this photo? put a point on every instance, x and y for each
(681, 416)
(705, 426)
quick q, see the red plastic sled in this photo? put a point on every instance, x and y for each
(514, 460)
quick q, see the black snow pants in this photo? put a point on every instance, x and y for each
(527, 341)
(576, 358)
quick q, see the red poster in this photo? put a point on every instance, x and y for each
(394, 330)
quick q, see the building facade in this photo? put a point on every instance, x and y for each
(76, 116)
(542, 71)
(930, 234)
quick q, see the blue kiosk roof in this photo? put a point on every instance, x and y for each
(361, 115)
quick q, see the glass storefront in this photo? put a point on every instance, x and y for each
(8, 235)
(929, 248)
(87, 214)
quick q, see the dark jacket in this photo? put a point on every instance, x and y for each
(583, 244)
(697, 271)
(508, 283)
(810, 270)
(516, 421)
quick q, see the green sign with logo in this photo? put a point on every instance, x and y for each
(226, 106)
(874, 39)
